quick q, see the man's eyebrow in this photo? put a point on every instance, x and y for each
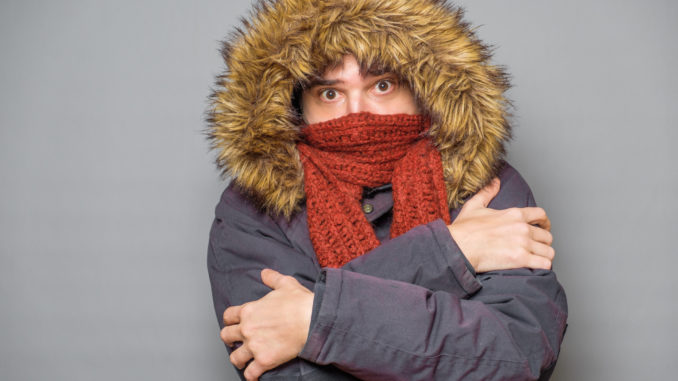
(377, 72)
(318, 81)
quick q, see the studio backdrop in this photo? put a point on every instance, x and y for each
(108, 187)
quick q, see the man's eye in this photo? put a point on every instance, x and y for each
(328, 94)
(384, 85)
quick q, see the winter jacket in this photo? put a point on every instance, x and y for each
(411, 309)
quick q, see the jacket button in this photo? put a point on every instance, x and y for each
(368, 208)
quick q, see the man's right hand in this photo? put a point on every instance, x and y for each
(502, 239)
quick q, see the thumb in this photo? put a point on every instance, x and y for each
(484, 196)
(272, 278)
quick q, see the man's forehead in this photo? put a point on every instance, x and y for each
(329, 77)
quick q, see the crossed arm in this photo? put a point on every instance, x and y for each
(275, 328)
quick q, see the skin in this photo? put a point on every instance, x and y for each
(273, 330)
(502, 239)
(343, 90)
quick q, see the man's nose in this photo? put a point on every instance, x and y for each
(357, 103)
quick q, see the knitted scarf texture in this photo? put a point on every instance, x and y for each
(342, 156)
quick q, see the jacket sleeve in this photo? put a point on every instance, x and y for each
(378, 329)
(425, 256)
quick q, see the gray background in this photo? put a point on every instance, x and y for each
(108, 187)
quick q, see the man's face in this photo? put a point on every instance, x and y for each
(343, 90)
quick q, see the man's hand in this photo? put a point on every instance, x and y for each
(273, 329)
(502, 239)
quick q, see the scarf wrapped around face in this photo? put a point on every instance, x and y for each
(342, 156)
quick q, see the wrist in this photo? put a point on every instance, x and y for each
(459, 238)
(306, 309)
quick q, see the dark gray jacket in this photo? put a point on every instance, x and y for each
(411, 309)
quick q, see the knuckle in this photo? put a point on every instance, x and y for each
(245, 311)
(265, 360)
(516, 254)
(247, 330)
(514, 213)
(524, 252)
(523, 229)
(523, 241)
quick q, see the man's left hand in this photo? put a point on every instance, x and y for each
(273, 329)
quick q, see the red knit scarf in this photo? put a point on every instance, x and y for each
(343, 155)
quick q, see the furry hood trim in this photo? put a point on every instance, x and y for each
(253, 122)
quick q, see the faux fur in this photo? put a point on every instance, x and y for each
(253, 123)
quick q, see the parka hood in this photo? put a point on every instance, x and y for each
(253, 121)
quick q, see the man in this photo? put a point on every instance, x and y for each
(363, 235)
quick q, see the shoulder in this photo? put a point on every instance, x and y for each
(514, 191)
(236, 209)
(234, 200)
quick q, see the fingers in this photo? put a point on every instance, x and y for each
(232, 315)
(540, 235)
(537, 262)
(542, 250)
(254, 371)
(484, 196)
(231, 334)
(241, 356)
(275, 280)
(536, 216)
(271, 278)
